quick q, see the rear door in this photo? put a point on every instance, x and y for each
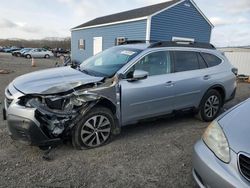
(152, 96)
(35, 53)
(190, 78)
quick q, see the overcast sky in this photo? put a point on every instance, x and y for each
(36, 19)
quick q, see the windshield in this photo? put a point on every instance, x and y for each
(108, 62)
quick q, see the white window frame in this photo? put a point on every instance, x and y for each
(120, 40)
(81, 44)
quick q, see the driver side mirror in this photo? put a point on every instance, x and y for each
(139, 75)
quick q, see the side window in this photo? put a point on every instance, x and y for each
(120, 40)
(211, 60)
(202, 62)
(186, 61)
(156, 63)
(81, 44)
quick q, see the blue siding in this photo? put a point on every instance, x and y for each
(132, 31)
(180, 21)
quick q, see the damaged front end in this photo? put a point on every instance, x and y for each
(55, 115)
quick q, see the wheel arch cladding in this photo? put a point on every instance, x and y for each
(103, 102)
(221, 90)
(107, 104)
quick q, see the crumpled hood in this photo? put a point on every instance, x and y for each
(236, 126)
(54, 80)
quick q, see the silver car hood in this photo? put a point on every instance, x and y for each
(236, 126)
(54, 80)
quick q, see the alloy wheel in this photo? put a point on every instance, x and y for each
(96, 131)
(212, 106)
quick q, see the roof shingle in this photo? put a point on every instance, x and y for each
(127, 15)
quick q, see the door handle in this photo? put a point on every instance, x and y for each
(169, 84)
(207, 77)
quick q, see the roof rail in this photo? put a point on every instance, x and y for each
(136, 42)
(182, 44)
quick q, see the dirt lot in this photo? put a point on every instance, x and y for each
(153, 154)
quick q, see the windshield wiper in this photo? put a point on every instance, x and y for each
(85, 71)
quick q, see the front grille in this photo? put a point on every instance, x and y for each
(8, 102)
(8, 92)
(244, 165)
(8, 97)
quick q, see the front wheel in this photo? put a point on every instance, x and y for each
(210, 106)
(28, 56)
(94, 130)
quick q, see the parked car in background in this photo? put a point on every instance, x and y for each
(222, 157)
(60, 52)
(9, 50)
(119, 86)
(20, 53)
(38, 53)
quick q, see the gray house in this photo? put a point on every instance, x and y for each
(172, 20)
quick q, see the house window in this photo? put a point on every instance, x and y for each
(81, 44)
(120, 40)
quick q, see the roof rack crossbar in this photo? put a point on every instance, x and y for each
(137, 42)
(182, 44)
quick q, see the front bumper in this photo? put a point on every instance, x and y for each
(27, 132)
(22, 124)
(209, 171)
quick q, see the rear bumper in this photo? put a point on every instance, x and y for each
(209, 171)
(232, 96)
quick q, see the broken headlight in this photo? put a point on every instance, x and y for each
(65, 103)
(25, 101)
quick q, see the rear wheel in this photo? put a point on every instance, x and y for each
(210, 106)
(47, 56)
(94, 130)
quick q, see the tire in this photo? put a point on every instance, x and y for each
(46, 56)
(90, 132)
(18, 55)
(28, 56)
(44, 148)
(210, 106)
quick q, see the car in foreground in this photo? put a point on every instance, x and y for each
(19, 53)
(119, 86)
(38, 53)
(222, 157)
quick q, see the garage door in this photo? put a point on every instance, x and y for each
(97, 45)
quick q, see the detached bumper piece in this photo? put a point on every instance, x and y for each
(26, 131)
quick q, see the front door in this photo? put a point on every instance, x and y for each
(149, 97)
(97, 43)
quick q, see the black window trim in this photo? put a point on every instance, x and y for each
(199, 53)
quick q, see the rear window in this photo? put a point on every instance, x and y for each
(211, 60)
(186, 61)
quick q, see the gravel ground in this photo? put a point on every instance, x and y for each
(153, 154)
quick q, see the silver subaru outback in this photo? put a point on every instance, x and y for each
(120, 86)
